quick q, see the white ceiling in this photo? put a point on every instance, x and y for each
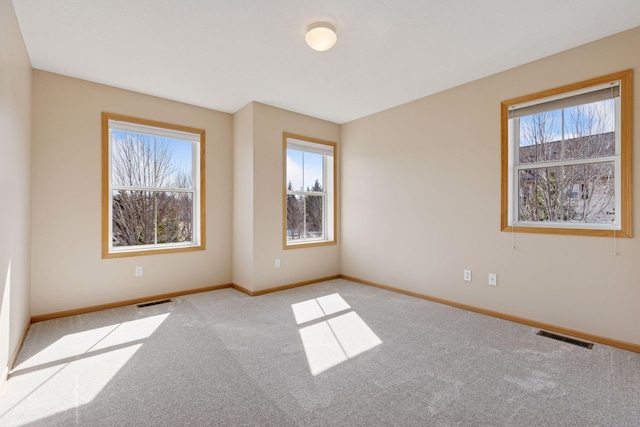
(223, 54)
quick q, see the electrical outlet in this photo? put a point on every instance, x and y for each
(467, 275)
(139, 271)
(277, 262)
(493, 279)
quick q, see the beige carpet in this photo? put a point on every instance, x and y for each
(335, 353)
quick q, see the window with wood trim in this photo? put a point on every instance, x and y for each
(566, 159)
(309, 192)
(153, 187)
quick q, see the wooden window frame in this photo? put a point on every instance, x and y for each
(199, 239)
(626, 144)
(331, 239)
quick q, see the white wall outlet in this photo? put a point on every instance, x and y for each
(493, 279)
(467, 275)
(139, 271)
(277, 262)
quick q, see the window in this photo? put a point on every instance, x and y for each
(309, 192)
(566, 159)
(153, 187)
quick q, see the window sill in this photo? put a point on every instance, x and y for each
(149, 251)
(567, 231)
(308, 244)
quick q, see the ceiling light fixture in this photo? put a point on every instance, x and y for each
(321, 36)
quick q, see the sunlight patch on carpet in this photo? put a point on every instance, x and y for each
(327, 343)
(75, 369)
(317, 308)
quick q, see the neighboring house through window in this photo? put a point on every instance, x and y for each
(153, 187)
(566, 159)
(309, 192)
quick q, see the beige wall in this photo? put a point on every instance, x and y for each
(421, 202)
(67, 269)
(266, 199)
(15, 125)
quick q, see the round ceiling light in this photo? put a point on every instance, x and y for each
(321, 36)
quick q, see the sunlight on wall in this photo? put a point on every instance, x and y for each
(5, 322)
(75, 369)
(330, 342)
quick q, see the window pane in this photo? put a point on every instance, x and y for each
(140, 160)
(314, 220)
(590, 130)
(294, 170)
(295, 217)
(576, 194)
(579, 132)
(175, 217)
(313, 172)
(174, 163)
(132, 159)
(133, 218)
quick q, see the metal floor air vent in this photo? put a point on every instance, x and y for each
(148, 304)
(566, 339)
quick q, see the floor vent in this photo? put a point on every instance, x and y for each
(566, 339)
(148, 304)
